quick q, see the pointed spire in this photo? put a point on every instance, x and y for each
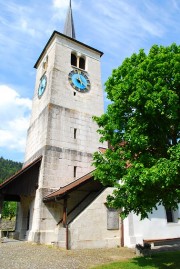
(69, 29)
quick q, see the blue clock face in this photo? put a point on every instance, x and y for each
(42, 85)
(79, 81)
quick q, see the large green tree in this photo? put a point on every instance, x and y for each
(142, 126)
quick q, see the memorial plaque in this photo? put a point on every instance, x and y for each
(112, 219)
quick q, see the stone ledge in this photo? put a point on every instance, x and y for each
(7, 225)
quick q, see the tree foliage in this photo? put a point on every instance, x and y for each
(142, 125)
(7, 169)
(9, 210)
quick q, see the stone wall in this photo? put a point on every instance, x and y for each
(90, 229)
(7, 225)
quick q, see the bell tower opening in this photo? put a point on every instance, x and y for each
(82, 63)
(73, 59)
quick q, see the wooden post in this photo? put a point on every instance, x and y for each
(65, 212)
(65, 224)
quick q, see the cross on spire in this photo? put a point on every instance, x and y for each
(69, 29)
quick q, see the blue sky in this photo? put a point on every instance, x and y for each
(116, 27)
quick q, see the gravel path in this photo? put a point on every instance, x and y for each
(23, 255)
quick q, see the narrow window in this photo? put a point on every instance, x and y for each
(73, 59)
(45, 63)
(82, 63)
(74, 93)
(75, 133)
(169, 215)
(75, 171)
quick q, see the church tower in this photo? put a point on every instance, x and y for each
(68, 93)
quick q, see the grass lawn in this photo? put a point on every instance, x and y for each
(164, 260)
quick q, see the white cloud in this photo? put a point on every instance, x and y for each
(62, 4)
(24, 25)
(14, 119)
(60, 9)
(10, 97)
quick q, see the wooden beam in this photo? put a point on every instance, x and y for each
(65, 212)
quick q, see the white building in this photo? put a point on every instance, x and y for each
(59, 201)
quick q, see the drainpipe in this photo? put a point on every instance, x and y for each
(122, 232)
(67, 237)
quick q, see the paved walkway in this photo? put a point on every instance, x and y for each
(22, 255)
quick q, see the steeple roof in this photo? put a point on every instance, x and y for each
(69, 29)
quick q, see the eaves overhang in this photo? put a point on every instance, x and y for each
(24, 182)
(85, 183)
(67, 37)
(20, 172)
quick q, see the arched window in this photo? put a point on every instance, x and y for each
(73, 59)
(82, 63)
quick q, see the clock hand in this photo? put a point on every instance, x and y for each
(83, 84)
(79, 78)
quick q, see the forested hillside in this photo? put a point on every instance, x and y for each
(8, 168)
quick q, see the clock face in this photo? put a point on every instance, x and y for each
(79, 80)
(42, 85)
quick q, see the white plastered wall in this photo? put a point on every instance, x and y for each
(155, 227)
